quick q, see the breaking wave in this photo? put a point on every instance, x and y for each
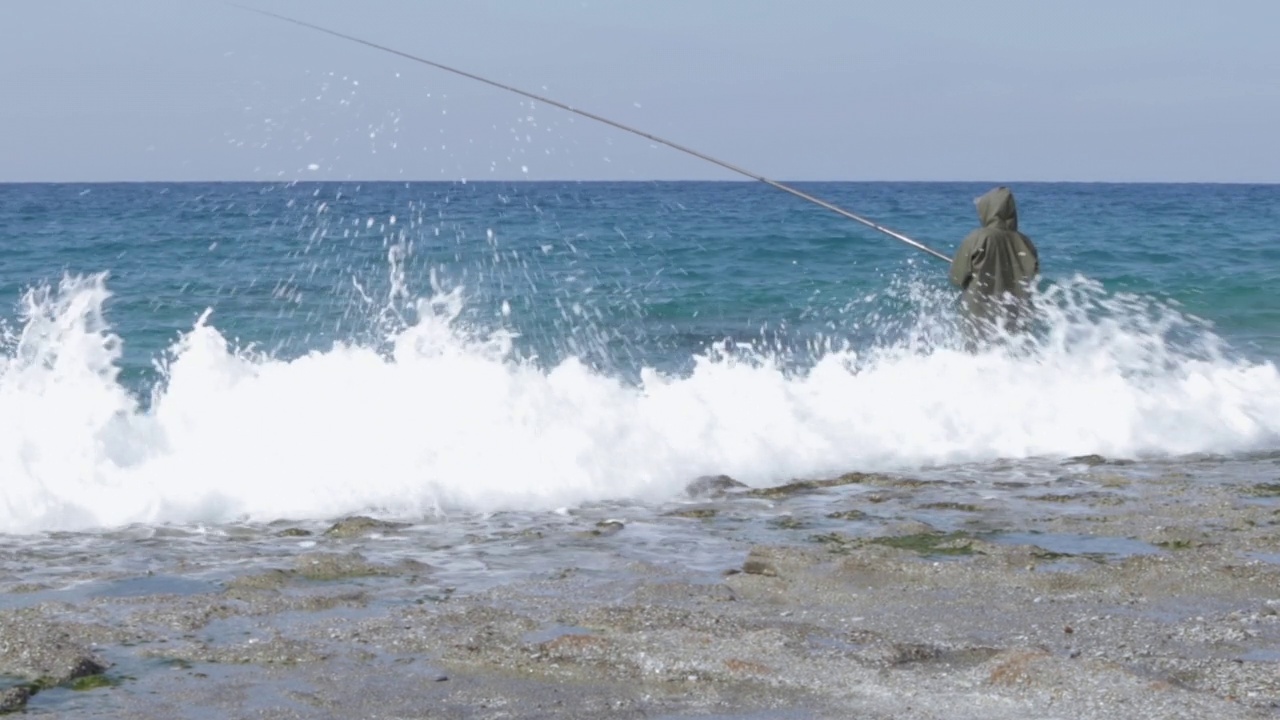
(449, 418)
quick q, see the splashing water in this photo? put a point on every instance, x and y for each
(445, 416)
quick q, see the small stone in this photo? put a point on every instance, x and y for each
(608, 527)
(270, 580)
(84, 667)
(1090, 460)
(755, 566)
(713, 486)
(14, 699)
(693, 513)
(360, 525)
(797, 487)
(331, 566)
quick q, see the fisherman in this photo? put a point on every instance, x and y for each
(995, 267)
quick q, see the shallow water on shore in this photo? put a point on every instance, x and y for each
(702, 534)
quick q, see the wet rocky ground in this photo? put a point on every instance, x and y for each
(1086, 589)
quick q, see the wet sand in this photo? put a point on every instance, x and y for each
(1127, 592)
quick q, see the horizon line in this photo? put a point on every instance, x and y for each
(632, 181)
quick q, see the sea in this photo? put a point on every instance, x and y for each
(205, 359)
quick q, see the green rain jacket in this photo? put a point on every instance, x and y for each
(994, 260)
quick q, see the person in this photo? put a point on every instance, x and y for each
(995, 267)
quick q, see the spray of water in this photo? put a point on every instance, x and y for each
(444, 415)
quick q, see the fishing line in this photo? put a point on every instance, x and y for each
(606, 121)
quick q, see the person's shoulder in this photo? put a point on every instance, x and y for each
(975, 236)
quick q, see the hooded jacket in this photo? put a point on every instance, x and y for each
(995, 259)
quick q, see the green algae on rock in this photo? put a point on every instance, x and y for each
(713, 486)
(929, 543)
(333, 566)
(358, 525)
(797, 487)
(693, 513)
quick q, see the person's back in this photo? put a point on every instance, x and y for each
(995, 264)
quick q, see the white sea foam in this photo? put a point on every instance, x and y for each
(449, 420)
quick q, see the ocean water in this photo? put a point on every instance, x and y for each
(206, 355)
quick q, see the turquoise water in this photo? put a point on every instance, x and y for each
(659, 270)
(669, 329)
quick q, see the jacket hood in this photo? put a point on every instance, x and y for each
(997, 208)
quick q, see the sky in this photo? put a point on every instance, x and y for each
(990, 90)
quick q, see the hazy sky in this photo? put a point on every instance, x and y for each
(1161, 90)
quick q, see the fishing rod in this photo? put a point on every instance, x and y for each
(606, 121)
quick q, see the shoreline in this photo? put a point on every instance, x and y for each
(1166, 606)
